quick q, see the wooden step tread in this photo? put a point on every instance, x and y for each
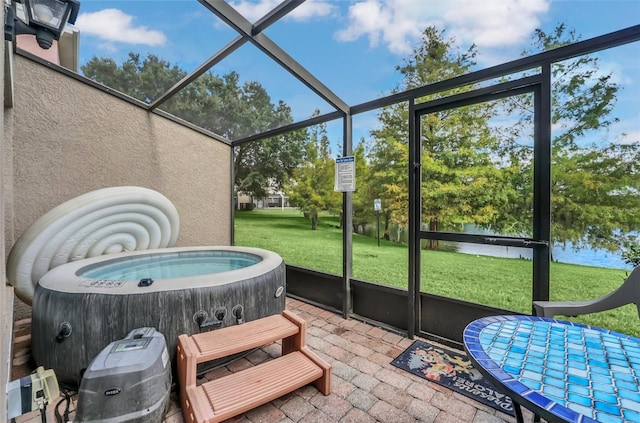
(234, 339)
(252, 387)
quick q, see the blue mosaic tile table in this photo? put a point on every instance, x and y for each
(562, 371)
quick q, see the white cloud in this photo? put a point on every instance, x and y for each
(495, 23)
(254, 10)
(392, 22)
(617, 72)
(627, 131)
(399, 23)
(313, 8)
(108, 47)
(113, 25)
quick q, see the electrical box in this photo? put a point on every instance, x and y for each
(31, 392)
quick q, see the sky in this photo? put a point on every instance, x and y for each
(354, 46)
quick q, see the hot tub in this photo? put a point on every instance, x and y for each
(82, 306)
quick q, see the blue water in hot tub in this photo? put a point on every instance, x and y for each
(169, 265)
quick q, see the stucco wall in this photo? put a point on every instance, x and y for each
(70, 138)
(63, 138)
(6, 293)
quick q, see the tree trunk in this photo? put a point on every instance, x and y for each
(399, 233)
(314, 221)
(432, 244)
(385, 235)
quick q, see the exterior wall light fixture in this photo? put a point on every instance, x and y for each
(45, 19)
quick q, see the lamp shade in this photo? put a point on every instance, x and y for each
(51, 14)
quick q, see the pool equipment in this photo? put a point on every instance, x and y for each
(128, 381)
(31, 393)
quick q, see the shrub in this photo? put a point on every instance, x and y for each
(632, 255)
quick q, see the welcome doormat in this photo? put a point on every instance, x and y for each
(452, 370)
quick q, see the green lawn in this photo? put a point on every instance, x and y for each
(498, 282)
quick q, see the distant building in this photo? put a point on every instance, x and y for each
(274, 199)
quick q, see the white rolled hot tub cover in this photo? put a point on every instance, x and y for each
(105, 221)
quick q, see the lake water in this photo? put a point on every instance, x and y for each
(561, 253)
(564, 254)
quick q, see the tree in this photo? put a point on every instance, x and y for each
(595, 184)
(389, 177)
(476, 172)
(363, 196)
(144, 79)
(311, 187)
(222, 105)
(462, 181)
(632, 255)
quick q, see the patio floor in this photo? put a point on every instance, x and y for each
(365, 386)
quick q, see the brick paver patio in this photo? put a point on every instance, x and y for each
(365, 386)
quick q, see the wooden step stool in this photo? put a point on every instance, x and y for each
(234, 394)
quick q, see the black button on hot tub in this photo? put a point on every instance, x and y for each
(145, 282)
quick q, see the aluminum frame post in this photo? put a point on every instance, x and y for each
(415, 183)
(347, 228)
(542, 187)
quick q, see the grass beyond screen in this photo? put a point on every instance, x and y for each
(493, 281)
